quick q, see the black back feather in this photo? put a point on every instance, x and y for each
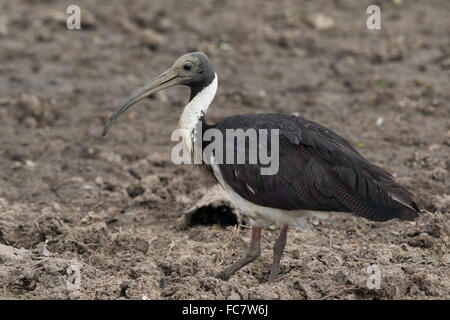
(318, 170)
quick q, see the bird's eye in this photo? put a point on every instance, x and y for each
(187, 67)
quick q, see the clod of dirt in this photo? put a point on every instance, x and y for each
(321, 22)
(213, 208)
(439, 174)
(135, 190)
(446, 258)
(34, 111)
(83, 239)
(152, 39)
(22, 279)
(422, 241)
(129, 243)
(8, 252)
(151, 189)
(2, 237)
(442, 203)
(3, 25)
(123, 288)
(306, 291)
(48, 226)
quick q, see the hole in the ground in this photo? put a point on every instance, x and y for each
(222, 215)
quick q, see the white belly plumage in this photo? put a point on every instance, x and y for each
(262, 216)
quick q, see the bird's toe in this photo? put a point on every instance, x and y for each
(222, 276)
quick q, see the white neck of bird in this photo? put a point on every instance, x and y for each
(196, 109)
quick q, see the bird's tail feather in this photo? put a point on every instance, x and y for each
(381, 210)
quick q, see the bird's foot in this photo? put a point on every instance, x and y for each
(272, 275)
(221, 275)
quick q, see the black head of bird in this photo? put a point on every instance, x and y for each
(192, 69)
(318, 169)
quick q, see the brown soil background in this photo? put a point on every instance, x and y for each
(110, 205)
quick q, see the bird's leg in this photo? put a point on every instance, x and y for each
(253, 252)
(278, 249)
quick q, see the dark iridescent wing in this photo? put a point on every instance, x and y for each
(318, 170)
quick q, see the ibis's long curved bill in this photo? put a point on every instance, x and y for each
(165, 80)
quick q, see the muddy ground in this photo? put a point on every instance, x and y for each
(108, 207)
